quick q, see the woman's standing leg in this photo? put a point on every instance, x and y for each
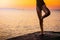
(39, 13)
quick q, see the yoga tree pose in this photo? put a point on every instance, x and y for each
(40, 5)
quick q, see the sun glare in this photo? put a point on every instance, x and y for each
(4, 3)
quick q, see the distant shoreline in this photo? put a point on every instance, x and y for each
(25, 9)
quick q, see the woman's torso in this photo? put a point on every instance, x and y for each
(40, 2)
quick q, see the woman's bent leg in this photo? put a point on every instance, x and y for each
(46, 10)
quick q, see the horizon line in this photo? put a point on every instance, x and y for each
(26, 9)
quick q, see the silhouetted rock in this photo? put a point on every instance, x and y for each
(48, 35)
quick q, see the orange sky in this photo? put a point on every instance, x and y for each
(54, 4)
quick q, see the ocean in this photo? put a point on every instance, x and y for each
(14, 22)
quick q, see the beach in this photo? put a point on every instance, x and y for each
(15, 22)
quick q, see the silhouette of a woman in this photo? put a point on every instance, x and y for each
(40, 5)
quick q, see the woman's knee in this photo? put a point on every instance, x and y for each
(48, 12)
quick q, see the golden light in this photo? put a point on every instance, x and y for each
(27, 3)
(4, 3)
